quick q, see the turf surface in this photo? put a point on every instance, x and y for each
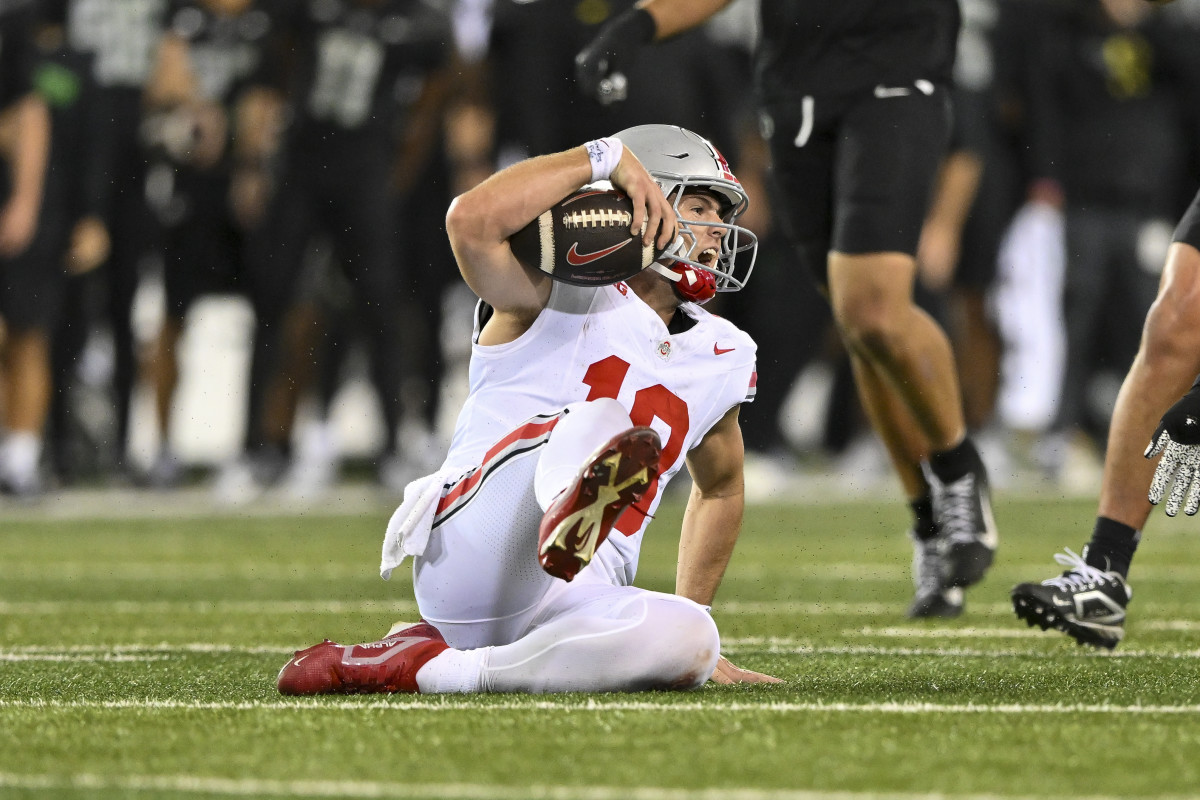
(138, 657)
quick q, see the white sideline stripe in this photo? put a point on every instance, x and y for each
(1186, 625)
(568, 704)
(294, 607)
(272, 571)
(251, 787)
(749, 644)
(408, 606)
(78, 657)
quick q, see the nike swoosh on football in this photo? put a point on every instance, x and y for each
(577, 259)
(719, 351)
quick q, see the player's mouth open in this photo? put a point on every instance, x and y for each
(708, 257)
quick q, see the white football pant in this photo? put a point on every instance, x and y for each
(515, 628)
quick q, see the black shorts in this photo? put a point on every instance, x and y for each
(32, 283)
(855, 174)
(202, 250)
(1188, 230)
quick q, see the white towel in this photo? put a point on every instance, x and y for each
(408, 529)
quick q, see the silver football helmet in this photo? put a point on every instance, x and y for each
(678, 159)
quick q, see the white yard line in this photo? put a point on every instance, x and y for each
(405, 605)
(567, 704)
(401, 607)
(268, 570)
(251, 787)
(92, 608)
(778, 645)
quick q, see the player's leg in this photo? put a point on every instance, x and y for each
(903, 438)
(1088, 600)
(363, 225)
(596, 464)
(885, 166)
(30, 304)
(590, 636)
(188, 251)
(478, 579)
(26, 371)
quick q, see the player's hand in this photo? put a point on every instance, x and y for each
(90, 245)
(727, 673)
(598, 65)
(1177, 439)
(654, 218)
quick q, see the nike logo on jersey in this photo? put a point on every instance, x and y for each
(720, 351)
(578, 259)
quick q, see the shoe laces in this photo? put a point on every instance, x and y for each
(959, 516)
(1080, 575)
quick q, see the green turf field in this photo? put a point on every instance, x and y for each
(138, 659)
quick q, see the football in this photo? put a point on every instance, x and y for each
(584, 239)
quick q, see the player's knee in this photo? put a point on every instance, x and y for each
(689, 642)
(1172, 328)
(869, 328)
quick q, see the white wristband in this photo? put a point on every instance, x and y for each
(604, 154)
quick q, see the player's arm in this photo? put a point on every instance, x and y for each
(30, 152)
(481, 220)
(648, 21)
(713, 518)
(172, 82)
(711, 525)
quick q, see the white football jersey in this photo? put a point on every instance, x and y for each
(605, 342)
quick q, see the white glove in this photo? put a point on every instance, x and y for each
(1178, 440)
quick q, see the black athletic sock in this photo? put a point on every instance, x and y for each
(1112, 546)
(950, 465)
(924, 527)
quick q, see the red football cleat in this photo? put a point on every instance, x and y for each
(389, 665)
(579, 519)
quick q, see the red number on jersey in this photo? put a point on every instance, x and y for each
(605, 378)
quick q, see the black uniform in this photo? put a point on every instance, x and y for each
(690, 80)
(203, 247)
(30, 290)
(856, 111)
(351, 65)
(122, 38)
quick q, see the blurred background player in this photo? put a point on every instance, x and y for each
(1088, 600)
(341, 68)
(73, 220)
(211, 51)
(575, 375)
(1115, 139)
(121, 37)
(855, 109)
(30, 283)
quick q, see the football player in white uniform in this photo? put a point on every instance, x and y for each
(584, 402)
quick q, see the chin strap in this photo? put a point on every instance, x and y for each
(691, 284)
